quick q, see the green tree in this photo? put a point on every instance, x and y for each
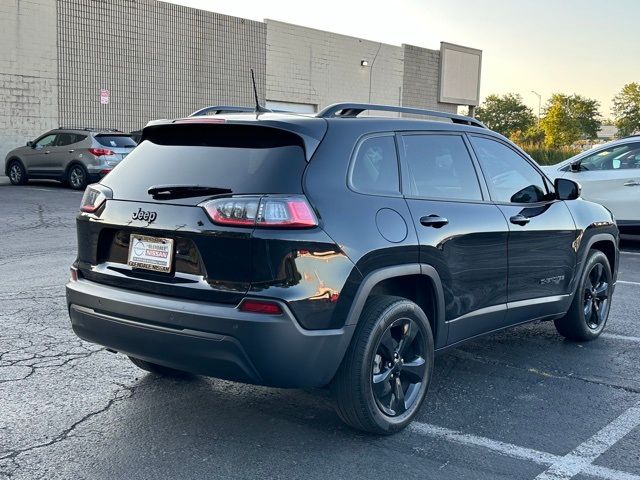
(568, 118)
(505, 114)
(626, 109)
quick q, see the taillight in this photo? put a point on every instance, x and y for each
(99, 152)
(94, 196)
(262, 212)
(260, 306)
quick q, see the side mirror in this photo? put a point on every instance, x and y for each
(567, 189)
(30, 144)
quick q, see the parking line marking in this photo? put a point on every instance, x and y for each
(514, 451)
(627, 282)
(587, 452)
(617, 336)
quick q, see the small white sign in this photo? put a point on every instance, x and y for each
(104, 96)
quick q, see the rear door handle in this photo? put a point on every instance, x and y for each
(632, 183)
(71, 151)
(519, 219)
(47, 152)
(434, 221)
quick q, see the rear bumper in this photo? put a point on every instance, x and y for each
(204, 338)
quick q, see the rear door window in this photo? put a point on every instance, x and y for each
(375, 166)
(64, 139)
(440, 166)
(115, 141)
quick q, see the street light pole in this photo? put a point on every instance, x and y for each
(539, 103)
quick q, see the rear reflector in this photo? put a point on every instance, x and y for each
(260, 306)
(73, 274)
(263, 212)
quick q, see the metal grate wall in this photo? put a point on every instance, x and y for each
(158, 60)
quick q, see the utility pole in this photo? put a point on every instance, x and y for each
(539, 104)
(371, 68)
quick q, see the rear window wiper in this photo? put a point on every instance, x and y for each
(167, 192)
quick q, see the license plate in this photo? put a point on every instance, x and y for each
(151, 253)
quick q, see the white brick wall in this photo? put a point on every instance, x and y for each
(28, 71)
(422, 78)
(311, 66)
(159, 61)
(317, 67)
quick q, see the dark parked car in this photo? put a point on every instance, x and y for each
(332, 250)
(77, 156)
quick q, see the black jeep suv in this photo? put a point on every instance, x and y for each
(332, 250)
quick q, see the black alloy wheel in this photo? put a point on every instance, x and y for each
(399, 367)
(596, 297)
(587, 316)
(385, 374)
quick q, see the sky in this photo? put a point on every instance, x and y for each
(588, 47)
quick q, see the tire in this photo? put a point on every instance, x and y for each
(591, 303)
(369, 369)
(17, 173)
(77, 177)
(158, 369)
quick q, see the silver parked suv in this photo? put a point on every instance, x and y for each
(77, 156)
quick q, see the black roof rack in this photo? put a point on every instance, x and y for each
(218, 109)
(347, 110)
(90, 129)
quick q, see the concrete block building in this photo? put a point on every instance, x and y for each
(59, 66)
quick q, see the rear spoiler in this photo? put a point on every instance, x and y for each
(307, 132)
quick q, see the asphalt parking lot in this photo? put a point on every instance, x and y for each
(522, 404)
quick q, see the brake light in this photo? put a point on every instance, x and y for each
(260, 306)
(261, 212)
(94, 197)
(200, 120)
(99, 152)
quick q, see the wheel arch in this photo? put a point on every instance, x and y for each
(609, 249)
(606, 243)
(73, 163)
(9, 161)
(419, 283)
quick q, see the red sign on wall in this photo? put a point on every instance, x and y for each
(104, 96)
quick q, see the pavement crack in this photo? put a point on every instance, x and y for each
(66, 433)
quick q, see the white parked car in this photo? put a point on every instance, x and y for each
(609, 175)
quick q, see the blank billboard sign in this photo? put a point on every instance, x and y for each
(460, 69)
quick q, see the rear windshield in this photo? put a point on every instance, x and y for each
(116, 141)
(243, 159)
